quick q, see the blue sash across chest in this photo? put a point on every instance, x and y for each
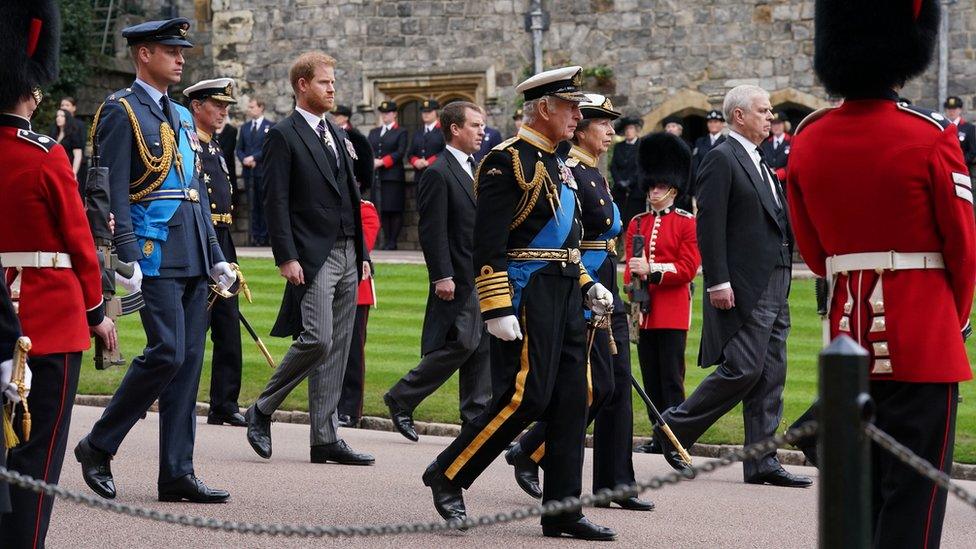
(150, 219)
(552, 235)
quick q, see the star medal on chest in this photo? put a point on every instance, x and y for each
(223, 165)
(351, 150)
(566, 176)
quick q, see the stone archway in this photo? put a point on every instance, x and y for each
(684, 103)
(795, 104)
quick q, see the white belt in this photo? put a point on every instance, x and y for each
(884, 261)
(36, 260)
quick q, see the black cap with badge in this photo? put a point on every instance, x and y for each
(171, 32)
(387, 106)
(952, 102)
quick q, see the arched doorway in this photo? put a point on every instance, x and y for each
(796, 104)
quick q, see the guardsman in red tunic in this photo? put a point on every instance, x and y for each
(668, 262)
(882, 205)
(49, 263)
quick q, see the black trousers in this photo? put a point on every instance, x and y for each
(540, 377)
(907, 508)
(51, 399)
(662, 363)
(225, 332)
(255, 194)
(354, 380)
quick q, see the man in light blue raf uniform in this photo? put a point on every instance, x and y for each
(162, 222)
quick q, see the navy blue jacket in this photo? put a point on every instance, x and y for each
(250, 143)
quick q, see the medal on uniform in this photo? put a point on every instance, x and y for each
(351, 150)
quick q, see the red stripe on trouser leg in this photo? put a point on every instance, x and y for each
(50, 451)
(941, 464)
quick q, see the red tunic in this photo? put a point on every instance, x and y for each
(873, 176)
(371, 227)
(676, 243)
(41, 211)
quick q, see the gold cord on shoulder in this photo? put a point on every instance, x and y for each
(531, 189)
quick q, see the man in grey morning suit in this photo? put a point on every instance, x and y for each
(453, 338)
(312, 207)
(746, 247)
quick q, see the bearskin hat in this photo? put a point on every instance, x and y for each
(663, 158)
(865, 48)
(31, 31)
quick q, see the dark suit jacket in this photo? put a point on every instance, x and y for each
(446, 205)
(392, 148)
(302, 203)
(739, 237)
(967, 140)
(251, 143)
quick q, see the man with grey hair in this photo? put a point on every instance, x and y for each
(746, 316)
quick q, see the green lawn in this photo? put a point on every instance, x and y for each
(394, 347)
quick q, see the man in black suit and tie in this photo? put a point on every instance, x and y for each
(746, 247)
(389, 143)
(453, 335)
(316, 230)
(249, 147)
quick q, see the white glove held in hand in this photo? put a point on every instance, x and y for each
(10, 390)
(133, 284)
(505, 328)
(223, 275)
(599, 299)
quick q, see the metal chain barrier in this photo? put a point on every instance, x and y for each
(756, 450)
(924, 468)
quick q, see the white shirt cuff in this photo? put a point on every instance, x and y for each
(722, 286)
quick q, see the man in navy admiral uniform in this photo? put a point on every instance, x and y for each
(162, 222)
(967, 132)
(249, 145)
(209, 102)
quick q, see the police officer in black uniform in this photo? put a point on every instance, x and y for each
(531, 290)
(967, 132)
(623, 170)
(389, 143)
(162, 220)
(209, 102)
(428, 140)
(609, 397)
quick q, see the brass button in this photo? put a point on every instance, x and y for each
(609, 221)
(603, 202)
(592, 184)
(563, 263)
(212, 205)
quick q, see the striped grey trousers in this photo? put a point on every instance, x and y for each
(320, 352)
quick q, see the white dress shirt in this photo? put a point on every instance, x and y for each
(462, 159)
(314, 122)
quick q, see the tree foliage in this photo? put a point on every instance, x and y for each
(77, 49)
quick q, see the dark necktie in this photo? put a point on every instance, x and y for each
(765, 171)
(254, 127)
(168, 113)
(327, 142)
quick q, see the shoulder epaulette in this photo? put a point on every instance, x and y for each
(115, 96)
(41, 141)
(812, 117)
(572, 162)
(684, 213)
(934, 117)
(505, 144)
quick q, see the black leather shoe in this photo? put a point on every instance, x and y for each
(781, 477)
(526, 471)
(652, 447)
(95, 469)
(191, 489)
(670, 454)
(340, 452)
(631, 504)
(580, 529)
(258, 431)
(402, 419)
(234, 420)
(345, 420)
(448, 499)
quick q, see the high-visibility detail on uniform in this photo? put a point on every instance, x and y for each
(502, 416)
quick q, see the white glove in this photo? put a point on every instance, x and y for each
(223, 275)
(505, 328)
(10, 390)
(133, 284)
(599, 299)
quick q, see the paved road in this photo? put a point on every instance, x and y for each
(713, 511)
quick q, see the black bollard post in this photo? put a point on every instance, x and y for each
(843, 449)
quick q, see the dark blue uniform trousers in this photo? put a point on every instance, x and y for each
(175, 320)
